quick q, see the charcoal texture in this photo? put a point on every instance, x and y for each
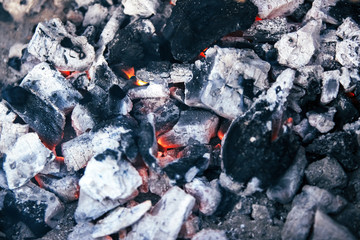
(195, 25)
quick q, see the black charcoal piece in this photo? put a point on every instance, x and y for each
(14, 62)
(195, 161)
(344, 9)
(4, 15)
(195, 25)
(341, 145)
(37, 208)
(41, 116)
(346, 112)
(133, 45)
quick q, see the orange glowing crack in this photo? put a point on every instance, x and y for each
(38, 180)
(202, 54)
(257, 18)
(220, 134)
(129, 72)
(172, 3)
(65, 73)
(141, 83)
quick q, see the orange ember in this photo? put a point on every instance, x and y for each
(202, 54)
(130, 72)
(38, 180)
(257, 18)
(220, 134)
(65, 73)
(290, 120)
(77, 193)
(218, 146)
(59, 159)
(88, 74)
(141, 83)
(350, 94)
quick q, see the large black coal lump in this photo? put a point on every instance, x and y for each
(195, 24)
(250, 150)
(47, 121)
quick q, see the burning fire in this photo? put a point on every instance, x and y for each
(129, 72)
(220, 134)
(141, 83)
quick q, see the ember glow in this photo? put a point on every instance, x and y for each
(140, 83)
(257, 18)
(38, 180)
(65, 73)
(129, 72)
(220, 134)
(202, 54)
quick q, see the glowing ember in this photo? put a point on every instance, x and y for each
(38, 180)
(220, 134)
(350, 94)
(129, 72)
(77, 193)
(59, 159)
(257, 18)
(141, 83)
(172, 3)
(202, 54)
(290, 120)
(88, 74)
(65, 73)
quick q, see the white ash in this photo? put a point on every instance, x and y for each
(95, 15)
(229, 184)
(326, 173)
(308, 73)
(327, 50)
(9, 134)
(207, 195)
(210, 234)
(3, 181)
(301, 216)
(48, 83)
(107, 176)
(296, 49)
(83, 231)
(326, 228)
(157, 88)
(52, 167)
(84, 3)
(66, 188)
(347, 50)
(6, 115)
(89, 209)
(33, 193)
(81, 119)
(51, 42)
(330, 86)
(166, 218)
(180, 73)
(198, 125)
(25, 159)
(320, 11)
(110, 28)
(120, 218)
(158, 183)
(18, 9)
(288, 185)
(141, 8)
(323, 122)
(276, 8)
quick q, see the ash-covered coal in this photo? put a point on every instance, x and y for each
(195, 25)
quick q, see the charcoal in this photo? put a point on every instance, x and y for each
(49, 85)
(180, 73)
(25, 159)
(51, 42)
(260, 212)
(320, 11)
(134, 45)
(327, 228)
(103, 76)
(274, 151)
(330, 86)
(165, 111)
(6, 115)
(195, 25)
(294, 99)
(288, 185)
(340, 145)
(194, 161)
(323, 122)
(111, 27)
(81, 119)
(120, 218)
(89, 209)
(53, 167)
(190, 227)
(159, 184)
(166, 218)
(344, 9)
(305, 131)
(3, 181)
(347, 49)
(84, 231)
(141, 8)
(18, 9)
(326, 173)
(269, 29)
(207, 195)
(41, 116)
(296, 49)
(95, 15)
(66, 188)
(210, 234)
(108, 176)
(327, 50)
(198, 125)
(307, 74)
(38, 208)
(301, 216)
(9, 133)
(276, 8)
(78, 151)
(84, 3)
(350, 218)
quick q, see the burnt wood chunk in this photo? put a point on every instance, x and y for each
(43, 117)
(195, 25)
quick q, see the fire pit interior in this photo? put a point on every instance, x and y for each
(180, 119)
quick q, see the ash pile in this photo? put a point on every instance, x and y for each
(205, 119)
